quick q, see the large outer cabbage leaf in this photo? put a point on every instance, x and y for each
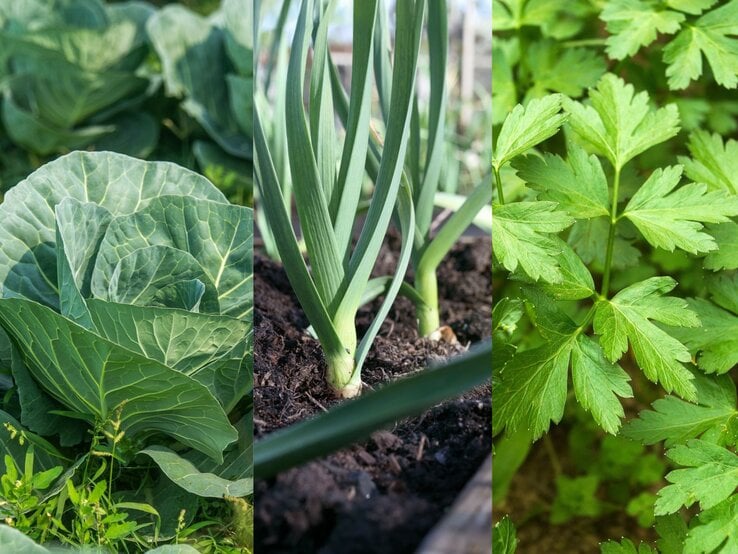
(101, 380)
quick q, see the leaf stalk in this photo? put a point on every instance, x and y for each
(605, 290)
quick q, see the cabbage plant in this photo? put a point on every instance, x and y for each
(208, 62)
(72, 72)
(125, 305)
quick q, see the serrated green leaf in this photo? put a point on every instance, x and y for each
(578, 183)
(531, 392)
(717, 530)
(520, 237)
(576, 282)
(726, 254)
(672, 531)
(589, 240)
(506, 314)
(569, 71)
(625, 546)
(620, 124)
(716, 342)
(713, 162)
(532, 387)
(636, 23)
(675, 421)
(504, 95)
(575, 496)
(710, 476)
(669, 219)
(710, 35)
(598, 383)
(504, 537)
(627, 318)
(514, 14)
(553, 323)
(694, 7)
(527, 126)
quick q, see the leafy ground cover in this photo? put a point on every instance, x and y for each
(615, 258)
(60, 93)
(126, 284)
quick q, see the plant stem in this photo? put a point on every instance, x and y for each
(426, 283)
(498, 182)
(605, 290)
(341, 374)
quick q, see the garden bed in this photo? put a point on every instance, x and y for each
(531, 494)
(386, 494)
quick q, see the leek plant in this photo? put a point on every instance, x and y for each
(327, 182)
(424, 170)
(273, 121)
(423, 164)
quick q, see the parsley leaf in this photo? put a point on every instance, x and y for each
(675, 421)
(576, 497)
(588, 237)
(598, 383)
(505, 316)
(726, 254)
(504, 95)
(533, 386)
(625, 546)
(620, 124)
(578, 183)
(694, 7)
(717, 340)
(504, 537)
(527, 126)
(674, 219)
(566, 70)
(635, 23)
(532, 389)
(627, 318)
(576, 282)
(521, 237)
(713, 162)
(672, 530)
(717, 526)
(553, 18)
(709, 35)
(710, 475)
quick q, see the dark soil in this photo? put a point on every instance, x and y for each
(382, 496)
